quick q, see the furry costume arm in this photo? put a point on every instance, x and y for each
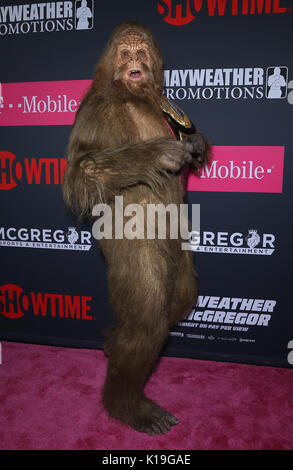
(102, 161)
(96, 176)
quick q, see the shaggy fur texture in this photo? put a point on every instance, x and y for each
(120, 145)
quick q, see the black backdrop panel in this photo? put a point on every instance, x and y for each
(231, 71)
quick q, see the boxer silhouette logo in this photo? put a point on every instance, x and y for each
(84, 14)
(277, 79)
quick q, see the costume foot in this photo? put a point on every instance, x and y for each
(158, 421)
(157, 424)
(141, 413)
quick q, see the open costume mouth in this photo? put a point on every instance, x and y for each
(135, 75)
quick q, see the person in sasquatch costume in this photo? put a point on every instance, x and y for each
(129, 140)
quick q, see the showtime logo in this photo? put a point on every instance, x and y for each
(181, 12)
(15, 302)
(31, 171)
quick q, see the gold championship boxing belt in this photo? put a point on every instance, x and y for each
(177, 119)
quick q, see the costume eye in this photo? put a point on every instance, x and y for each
(125, 54)
(141, 53)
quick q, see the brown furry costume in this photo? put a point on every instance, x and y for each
(121, 145)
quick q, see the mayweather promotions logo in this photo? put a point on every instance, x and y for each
(46, 17)
(181, 12)
(15, 302)
(241, 83)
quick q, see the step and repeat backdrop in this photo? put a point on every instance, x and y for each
(229, 65)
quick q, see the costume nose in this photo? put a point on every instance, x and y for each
(133, 61)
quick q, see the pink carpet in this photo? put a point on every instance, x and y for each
(50, 400)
